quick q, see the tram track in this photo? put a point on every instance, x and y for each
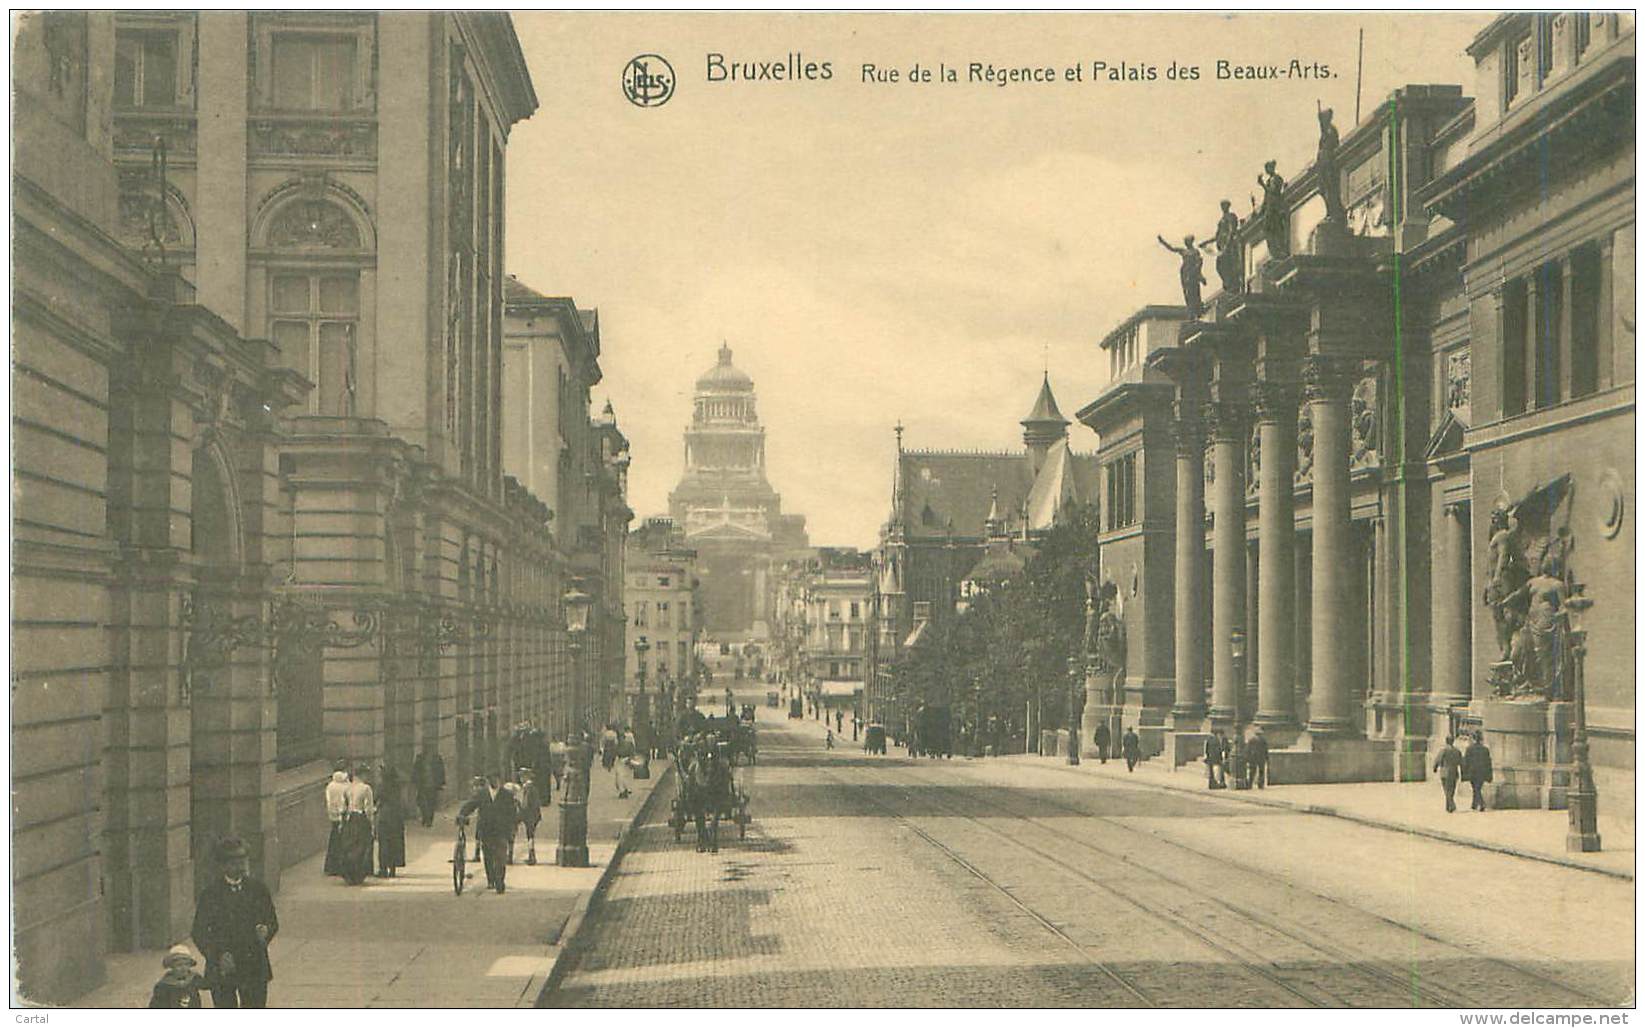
(1233, 945)
(1102, 966)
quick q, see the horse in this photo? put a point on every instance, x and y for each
(709, 793)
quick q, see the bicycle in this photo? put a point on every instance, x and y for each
(459, 873)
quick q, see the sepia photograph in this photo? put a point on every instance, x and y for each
(824, 511)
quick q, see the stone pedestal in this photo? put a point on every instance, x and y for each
(1333, 758)
(1530, 744)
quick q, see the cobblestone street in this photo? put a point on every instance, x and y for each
(881, 881)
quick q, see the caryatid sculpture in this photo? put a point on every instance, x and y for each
(1192, 273)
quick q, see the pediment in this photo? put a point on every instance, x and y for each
(1447, 437)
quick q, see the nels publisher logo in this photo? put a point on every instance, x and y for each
(648, 81)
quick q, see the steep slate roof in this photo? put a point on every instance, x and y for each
(1064, 477)
(1045, 410)
(959, 487)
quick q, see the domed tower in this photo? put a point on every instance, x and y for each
(727, 508)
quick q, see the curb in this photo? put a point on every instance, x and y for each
(571, 932)
(1385, 825)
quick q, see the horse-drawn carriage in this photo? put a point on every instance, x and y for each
(738, 735)
(707, 791)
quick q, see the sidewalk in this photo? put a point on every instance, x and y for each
(1412, 807)
(409, 941)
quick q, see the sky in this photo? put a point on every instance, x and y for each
(914, 251)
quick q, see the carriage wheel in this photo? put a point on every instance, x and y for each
(457, 871)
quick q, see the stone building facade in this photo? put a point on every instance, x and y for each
(1355, 459)
(262, 519)
(660, 596)
(728, 509)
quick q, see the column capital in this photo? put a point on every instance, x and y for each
(1188, 432)
(1275, 399)
(1228, 422)
(1328, 378)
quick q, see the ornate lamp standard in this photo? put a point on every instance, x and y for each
(573, 846)
(1076, 686)
(1583, 799)
(1236, 649)
(641, 722)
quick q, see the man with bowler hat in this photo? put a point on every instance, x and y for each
(233, 924)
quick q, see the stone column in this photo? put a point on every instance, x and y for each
(1188, 711)
(1276, 560)
(1453, 609)
(1334, 560)
(1230, 426)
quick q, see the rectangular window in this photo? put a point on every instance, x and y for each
(315, 323)
(639, 614)
(1514, 337)
(662, 581)
(1544, 45)
(1550, 304)
(313, 73)
(856, 610)
(1585, 317)
(145, 69)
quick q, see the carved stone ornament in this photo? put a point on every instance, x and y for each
(1528, 580)
(1366, 424)
(313, 225)
(1459, 383)
(1304, 471)
(313, 138)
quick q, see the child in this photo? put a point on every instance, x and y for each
(179, 987)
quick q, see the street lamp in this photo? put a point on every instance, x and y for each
(572, 850)
(1076, 685)
(1236, 650)
(642, 707)
(1583, 799)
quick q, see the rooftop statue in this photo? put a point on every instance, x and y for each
(1191, 273)
(1230, 257)
(1276, 218)
(1325, 169)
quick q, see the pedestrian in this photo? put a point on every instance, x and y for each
(839, 721)
(608, 748)
(1256, 758)
(234, 922)
(428, 777)
(556, 760)
(1213, 760)
(336, 807)
(622, 749)
(856, 726)
(179, 988)
(1104, 739)
(391, 822)
(830, 737)
(1476, 769)
(1449, 766)
(494, 827)
(531, 812)
(355, 835)
(1131, 748)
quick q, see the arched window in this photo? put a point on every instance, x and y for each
(315, 254)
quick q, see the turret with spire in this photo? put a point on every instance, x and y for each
(1043, 426)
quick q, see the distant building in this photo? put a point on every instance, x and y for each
(730, 513)
(826, 623)
(942, 505)
(661, 600)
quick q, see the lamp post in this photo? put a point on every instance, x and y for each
(1076, 685)
(1583, 799)
(1236, 650)
(642, 707)
(572, 850)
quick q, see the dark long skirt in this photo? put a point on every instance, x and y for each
(334, 849)
(356, 848)
(391, 837)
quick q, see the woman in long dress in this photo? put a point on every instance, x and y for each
(336, 807)
(391, 823)
(356, 831)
